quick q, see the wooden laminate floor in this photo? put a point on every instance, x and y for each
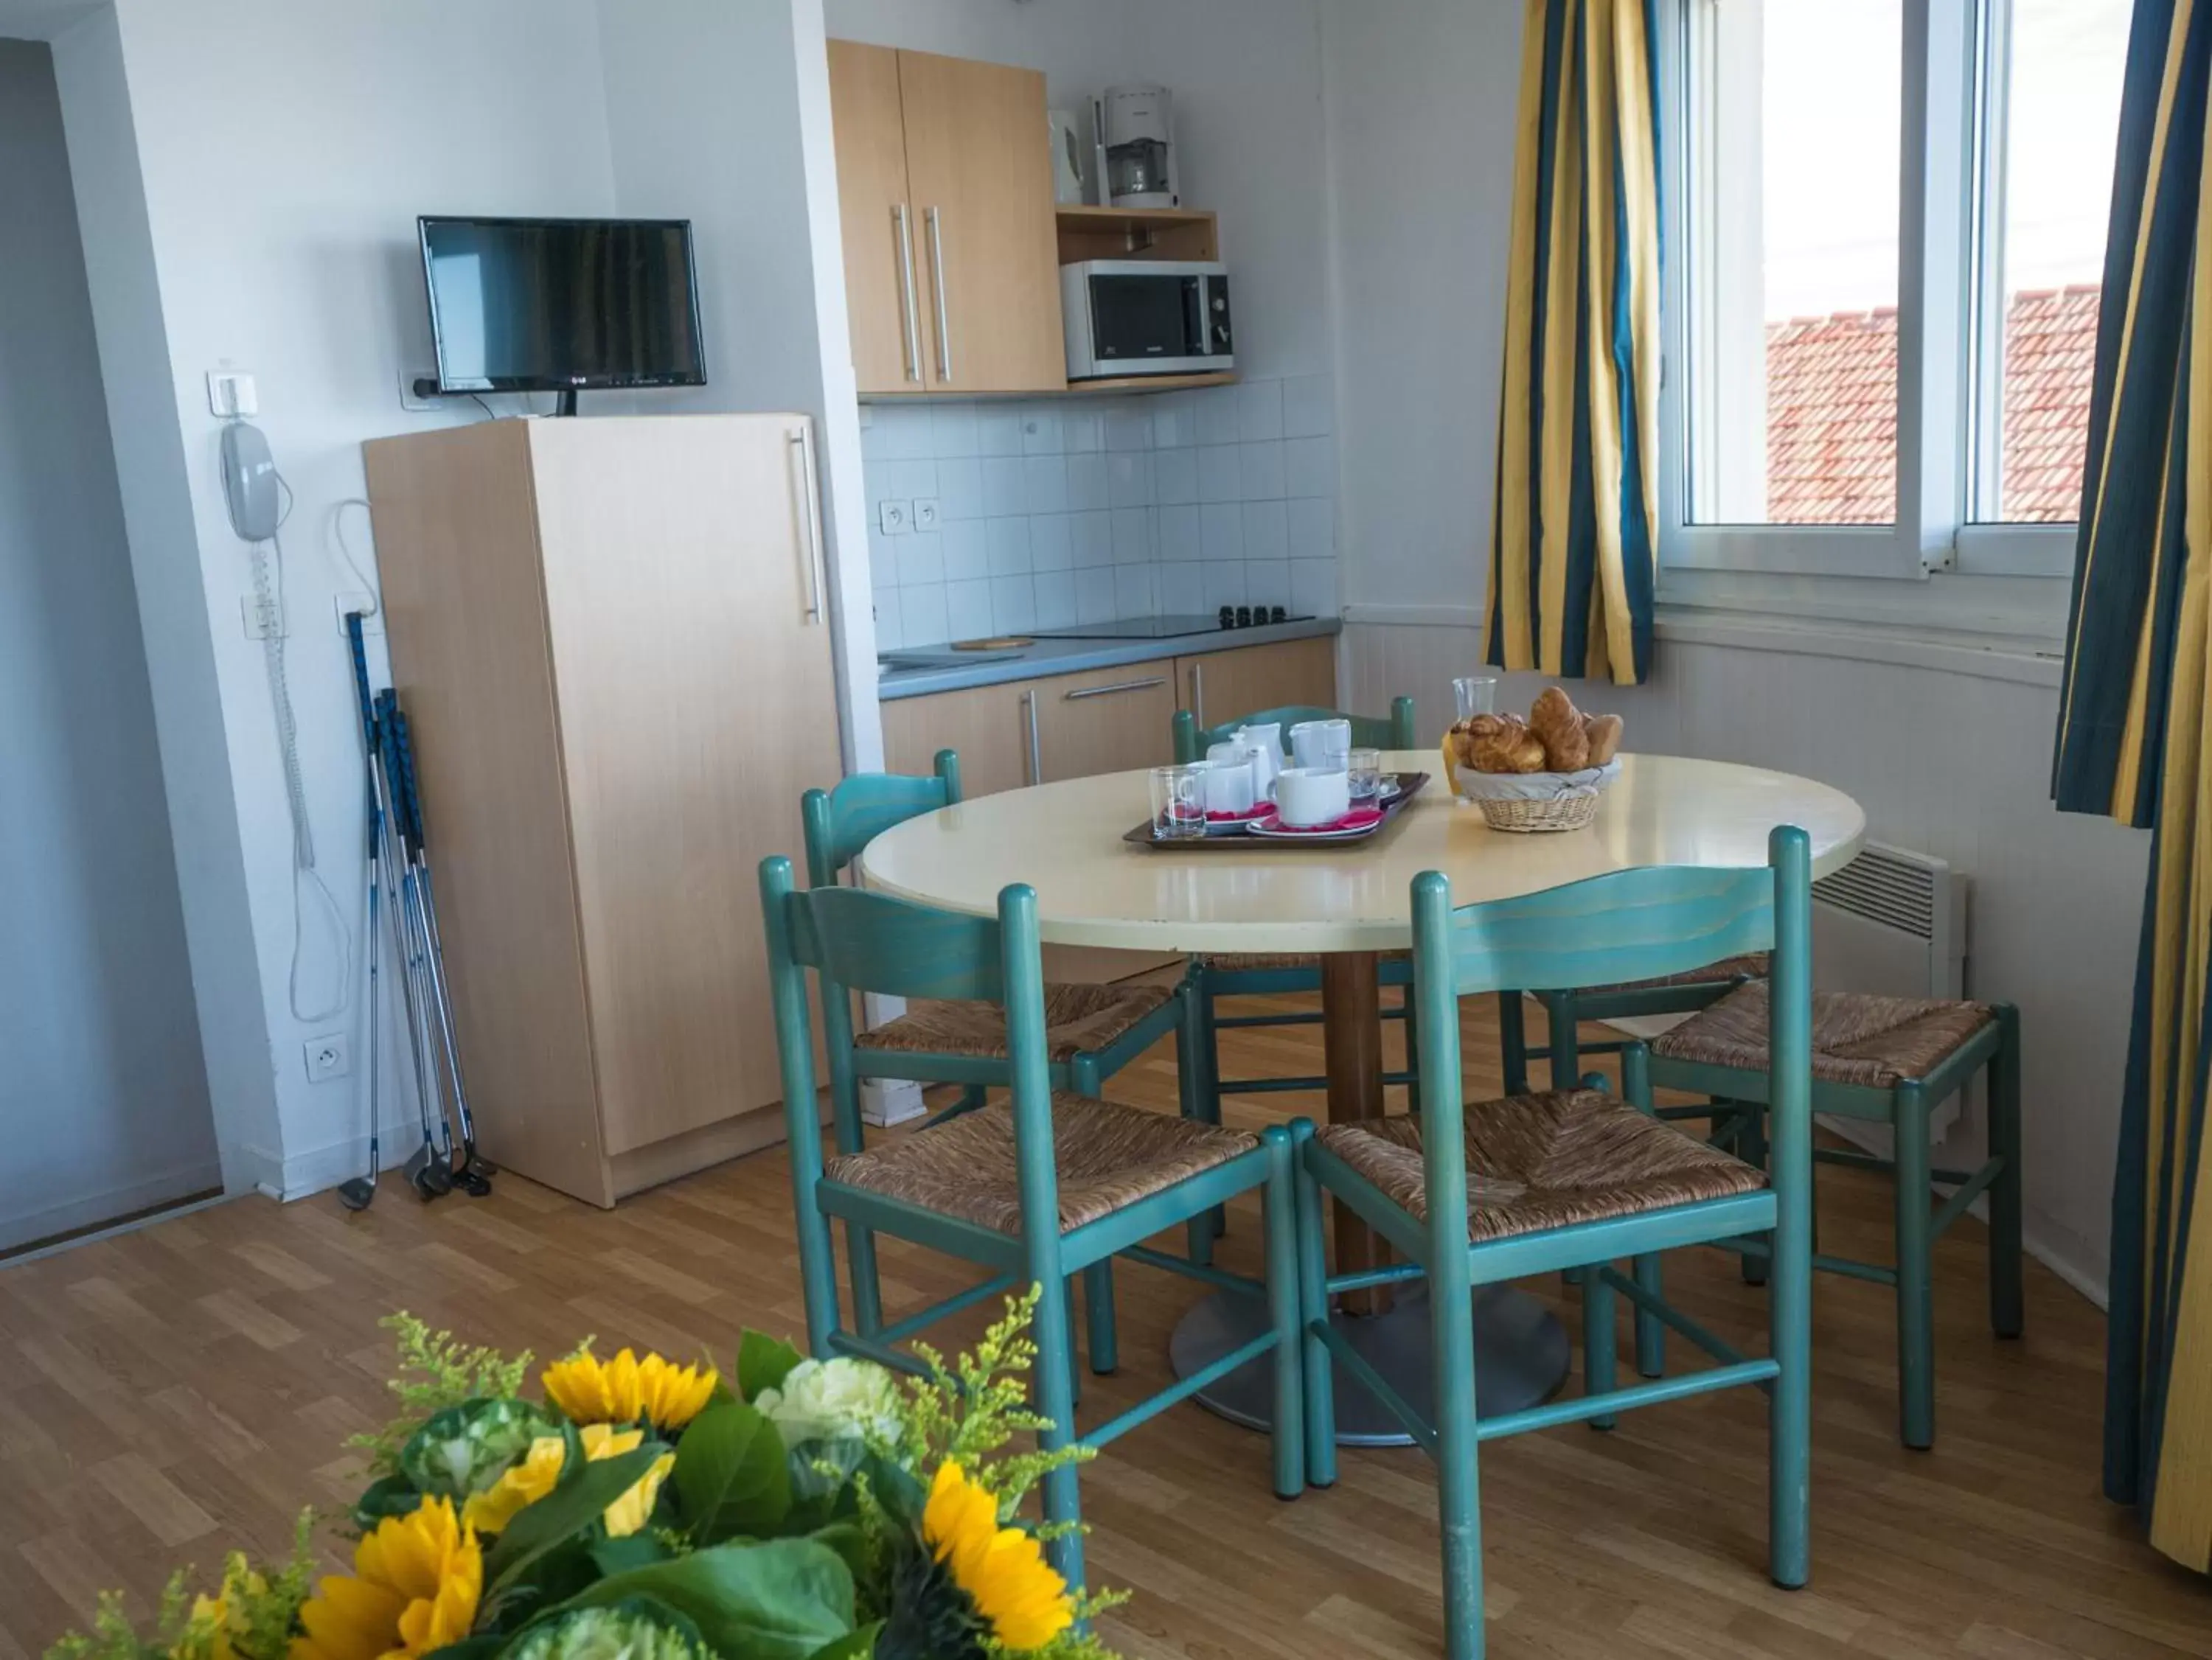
(167, 1392)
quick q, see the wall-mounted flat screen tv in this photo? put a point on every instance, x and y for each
(562, 305)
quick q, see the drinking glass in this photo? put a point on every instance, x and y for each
(1476, 694)
(1365, 766)
(1320, 745)
(1178, 803)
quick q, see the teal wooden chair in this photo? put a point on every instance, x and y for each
(1576, 1178)
(1031, 1190)
(1091, 1032)
(1566, 1009)
(1892, 1060)
(1238, 974)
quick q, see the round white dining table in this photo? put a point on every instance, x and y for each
(1346, 903)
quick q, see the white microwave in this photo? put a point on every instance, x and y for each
(1140, 317)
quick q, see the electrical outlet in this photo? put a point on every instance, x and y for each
(261, 621)
(327, 1057)
(372, 620)
(412, 399)
(231, 394)
(895, 518)
(927, 513)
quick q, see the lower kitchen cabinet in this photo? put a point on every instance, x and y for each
(989, 725)
(1109, 720)
(1220, 686)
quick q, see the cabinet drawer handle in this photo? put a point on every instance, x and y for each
(909, 312)
(1037, 745)
(1198, 695)
(943, 311)
(1109, 691)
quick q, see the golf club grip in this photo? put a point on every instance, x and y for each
(408, 791)
(359, 649)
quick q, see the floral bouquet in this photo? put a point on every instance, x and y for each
(821, 1510)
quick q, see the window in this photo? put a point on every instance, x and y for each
(1888, 238)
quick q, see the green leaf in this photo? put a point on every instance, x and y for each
(731, 1477)
(853, 1646)
(763, 1362)
(395, 1495)
(850, 1540)
(782, 1600)
(585, 1490)
(612, 1556)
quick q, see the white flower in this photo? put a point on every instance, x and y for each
(830, 1399)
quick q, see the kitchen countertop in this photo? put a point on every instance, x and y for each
(1071, 657)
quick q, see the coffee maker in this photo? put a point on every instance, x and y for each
(1135, 126)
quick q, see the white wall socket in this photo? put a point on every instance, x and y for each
(927, 513)
(410, 398)
(327, 1057)
(372, 618)
(231, 394)
(895, 518)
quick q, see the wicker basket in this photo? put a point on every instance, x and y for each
(1527, 803)
(1526, 817)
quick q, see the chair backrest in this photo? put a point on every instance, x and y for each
(855, 940)
(1624, 925)
(839, 822)
(1396, 732)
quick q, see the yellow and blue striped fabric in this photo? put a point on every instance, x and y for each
(2131, 743)
(1574, 551)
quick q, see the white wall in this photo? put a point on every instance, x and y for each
(1947, 746)
(720, 114)
(103, 1096)
(279, 239)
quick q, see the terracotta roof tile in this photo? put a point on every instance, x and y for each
(1832, 412)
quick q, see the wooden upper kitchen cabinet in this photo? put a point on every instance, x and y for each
(609, 637)
(951, 246)
(1221, 686)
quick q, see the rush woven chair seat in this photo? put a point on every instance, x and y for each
(1215, 975)
(1105, 1157)
(1031, 1190)
(1075, 1018)
(1893, 1061)
(1682, 993)
(1093, 1030)
(1575, 1179)
(1535, 1162)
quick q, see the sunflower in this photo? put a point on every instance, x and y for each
(415, 1586)
(1003, 1570)
(538, 1471)
(626, 1388)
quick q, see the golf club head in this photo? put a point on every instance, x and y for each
(481, 1167)
(355, 1195)
(469, 1182)
(426, 1176)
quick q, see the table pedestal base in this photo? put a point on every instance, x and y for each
(1521, 1355)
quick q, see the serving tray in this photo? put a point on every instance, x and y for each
(1237, 832)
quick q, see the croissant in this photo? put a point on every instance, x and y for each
(1500, 743)
(1603, 732)
(1558, 724)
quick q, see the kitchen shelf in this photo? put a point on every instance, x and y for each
(1137, 233)
(1152, 383)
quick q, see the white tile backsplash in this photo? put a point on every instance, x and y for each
(1057, 512)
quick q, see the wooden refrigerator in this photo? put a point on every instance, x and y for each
(613, 641)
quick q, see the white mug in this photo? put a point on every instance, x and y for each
(1269, 741)
(1322, 743)
(1232, 779)
(1308, 796)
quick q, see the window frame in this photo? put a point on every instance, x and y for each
(1950, 184)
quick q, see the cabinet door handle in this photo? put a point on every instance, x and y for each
(1037, 745)
(1198, 695)
(1109, 691)
(944, 313)
(910, 311)
(809, 516)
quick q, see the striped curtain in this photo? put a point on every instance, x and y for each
(1574, 550)
(2131, 743)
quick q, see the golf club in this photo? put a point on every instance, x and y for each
(360, 1191)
